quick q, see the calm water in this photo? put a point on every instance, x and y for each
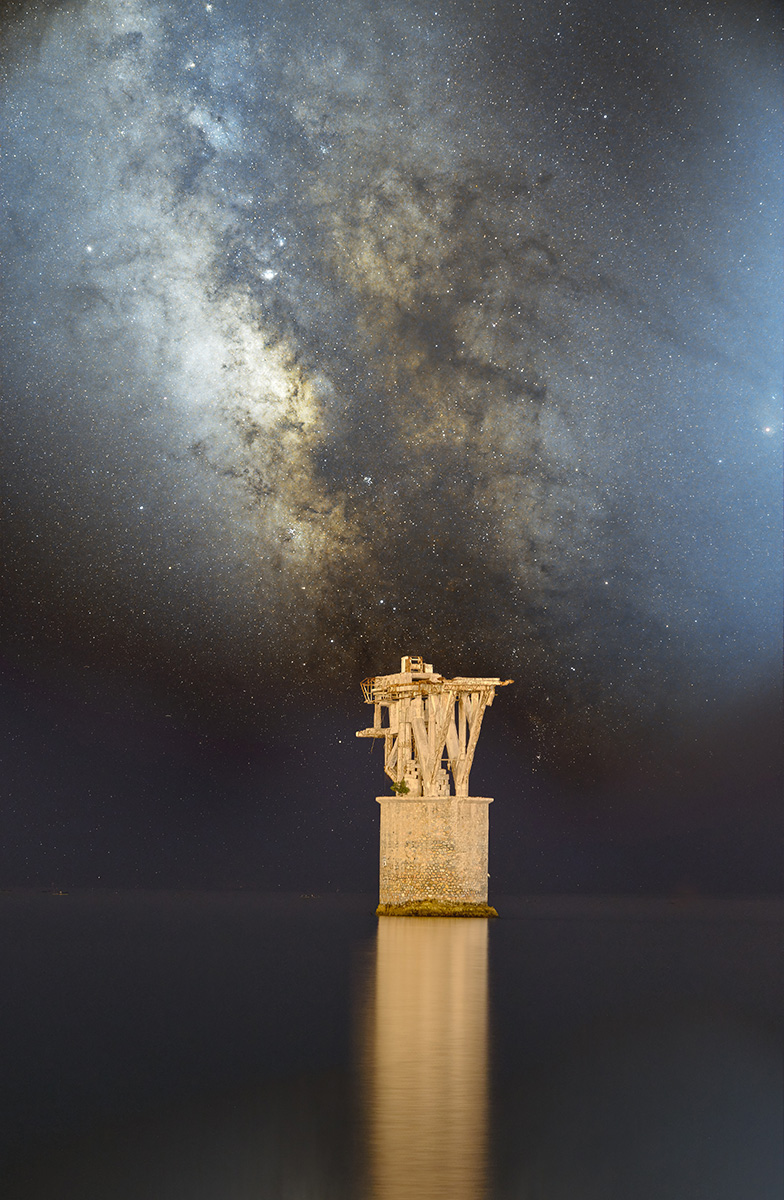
(229, 1047)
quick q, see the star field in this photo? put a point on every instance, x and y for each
(335, 331)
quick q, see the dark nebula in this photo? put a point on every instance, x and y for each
(338, 331)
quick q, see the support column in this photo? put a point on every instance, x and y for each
(433, 855)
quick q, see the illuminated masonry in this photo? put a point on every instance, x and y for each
(433, 834)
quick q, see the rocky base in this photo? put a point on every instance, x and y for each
(435, 908)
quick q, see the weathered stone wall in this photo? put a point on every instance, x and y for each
(433, 848)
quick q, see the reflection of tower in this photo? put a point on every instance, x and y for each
(433, 843)
(427, 1061)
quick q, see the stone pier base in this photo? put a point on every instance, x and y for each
(433, 859)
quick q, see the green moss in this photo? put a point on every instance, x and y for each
(435, 908)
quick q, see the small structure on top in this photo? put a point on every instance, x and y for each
(433, 834)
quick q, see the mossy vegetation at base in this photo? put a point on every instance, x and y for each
(435, 908)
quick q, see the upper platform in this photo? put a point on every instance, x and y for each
(417, 678)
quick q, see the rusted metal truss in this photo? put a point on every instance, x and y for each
(430, 725)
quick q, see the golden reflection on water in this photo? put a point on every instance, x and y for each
(427, 1060)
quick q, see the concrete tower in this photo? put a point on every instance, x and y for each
(433, 857)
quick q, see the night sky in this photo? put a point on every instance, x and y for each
(335, 331)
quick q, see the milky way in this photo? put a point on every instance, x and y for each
(343, 329)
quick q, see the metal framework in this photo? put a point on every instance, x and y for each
(430, 725)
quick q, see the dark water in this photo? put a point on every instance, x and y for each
(229, 1047)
